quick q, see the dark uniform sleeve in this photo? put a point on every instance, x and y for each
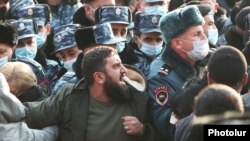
(47, 112)
(161, 87)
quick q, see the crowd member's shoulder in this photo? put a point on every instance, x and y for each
(246, 102)
(128, 51)
(196, 133)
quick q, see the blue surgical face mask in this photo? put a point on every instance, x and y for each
(130, 35)
(120, 46)
(28, 52)
(40, 39)
(3, 60)
(150, 50)
(213, 36)
(68, 64)
(156, 9)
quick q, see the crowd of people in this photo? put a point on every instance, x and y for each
(122, 70)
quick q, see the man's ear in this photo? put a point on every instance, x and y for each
(135, 39)
(245, 79)
(216, 7)
(48, 29)
(99, 77)
(175, 43)
(209, 79)
(13, 48)
(87, 9)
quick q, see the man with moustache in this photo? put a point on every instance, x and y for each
(186, 44)
(102, 106)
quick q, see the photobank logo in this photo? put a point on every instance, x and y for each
(221, 132)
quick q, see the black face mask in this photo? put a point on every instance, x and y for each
(3, 11)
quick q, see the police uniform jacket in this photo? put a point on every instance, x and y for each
(135, 57)
(168, 73)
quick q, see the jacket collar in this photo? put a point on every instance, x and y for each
(183, 67)
(81, 85)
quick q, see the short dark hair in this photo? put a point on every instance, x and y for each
(227, 65)
(182, 102)
(217, 99)
(95, 60)
(8, 34)
(88, 1)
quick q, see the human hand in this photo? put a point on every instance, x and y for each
(132, 125)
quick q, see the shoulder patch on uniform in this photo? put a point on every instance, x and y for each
(161, 95)
(165, 69)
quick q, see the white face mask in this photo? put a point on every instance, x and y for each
(213, 36)
(150, 50)
(173, 119)
(3, 60)
(199, 51)
(156, 9)
(68, 64)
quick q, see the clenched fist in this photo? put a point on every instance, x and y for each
(132, 125)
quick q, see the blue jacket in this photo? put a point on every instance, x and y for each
(168, 73)
(64, 14)
(144, 62)
(68, 77)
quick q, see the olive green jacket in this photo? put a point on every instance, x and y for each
(69, 111)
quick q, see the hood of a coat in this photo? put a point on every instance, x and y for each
(12, 110)
(135, 78)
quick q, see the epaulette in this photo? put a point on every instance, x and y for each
(165, 69)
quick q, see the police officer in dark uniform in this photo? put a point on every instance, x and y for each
(145, 23)
(26, 49)
(87, 38)
(147, 41)
(119, 17)
(41, 14)
(186, 43)
(67, 51)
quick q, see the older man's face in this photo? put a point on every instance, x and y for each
(54, 2)
(91, 7)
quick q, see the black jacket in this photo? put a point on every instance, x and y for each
(34, 93)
